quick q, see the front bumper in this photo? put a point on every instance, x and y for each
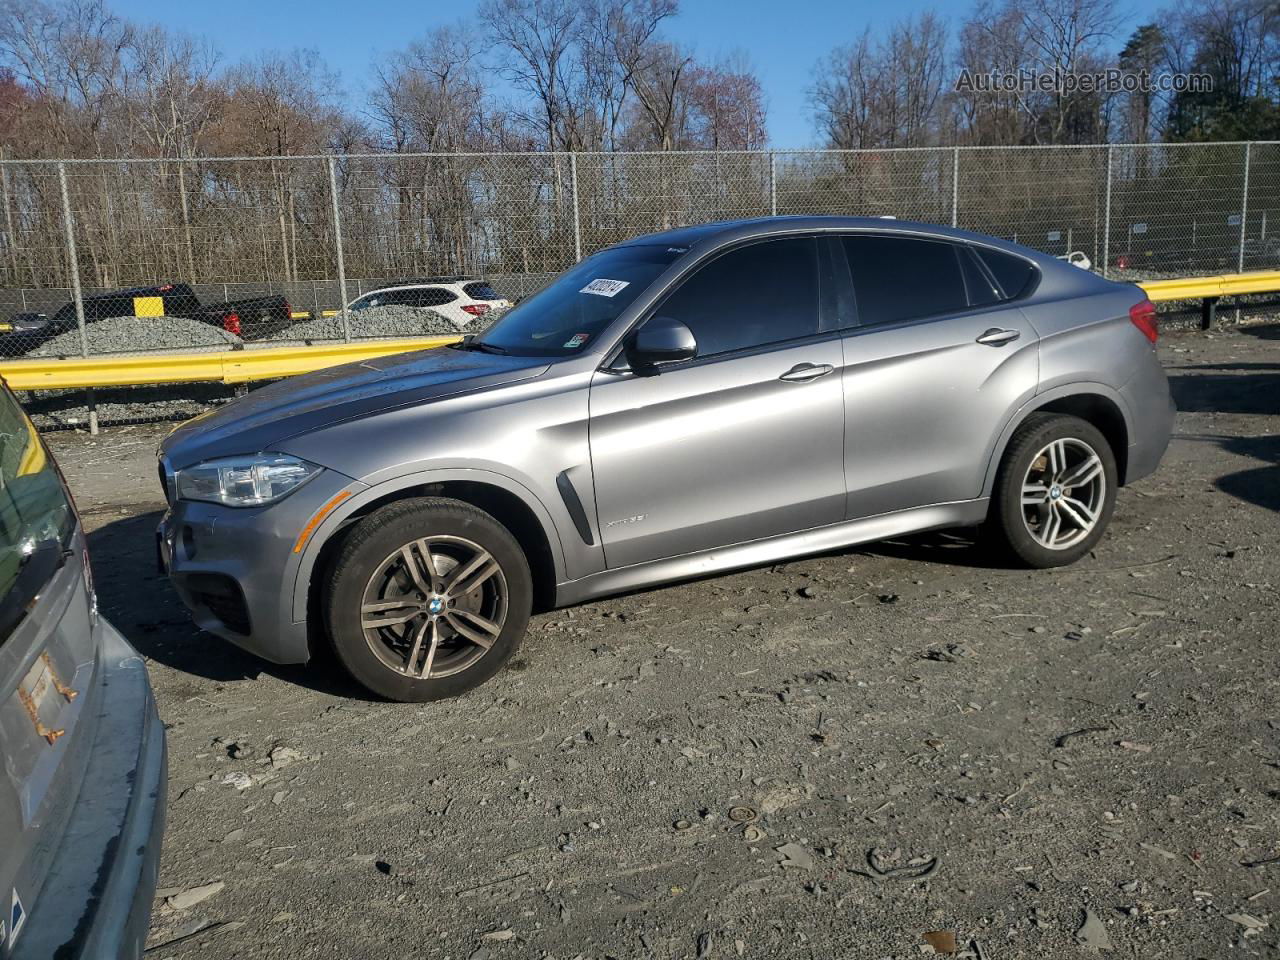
(96, 900)
(235, 568)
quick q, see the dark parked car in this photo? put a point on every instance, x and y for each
(685, 403)
(256, 318)
(83, 751)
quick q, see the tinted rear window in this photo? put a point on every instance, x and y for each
(480, 291)
(36, 520)
(1012, 273)
(902, 278)
(982, 292)
(434, 297)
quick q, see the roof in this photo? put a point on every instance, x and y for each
(728, 230)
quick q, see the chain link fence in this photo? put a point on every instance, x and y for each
(242, 252)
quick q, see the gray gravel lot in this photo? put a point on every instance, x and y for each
(824, 758)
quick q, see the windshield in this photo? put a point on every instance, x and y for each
(35, 516)
(564, 317)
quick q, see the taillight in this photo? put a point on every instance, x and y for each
(231, 323)
(1143, 316)
(477, 309)
(288, 310)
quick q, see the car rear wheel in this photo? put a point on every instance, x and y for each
(427, 599)
(1055, 491)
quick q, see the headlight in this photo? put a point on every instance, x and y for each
(245, 481)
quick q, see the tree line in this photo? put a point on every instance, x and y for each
(76, 80)
(898, 89)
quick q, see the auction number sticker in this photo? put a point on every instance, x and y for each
(577, 340)
(606, 288)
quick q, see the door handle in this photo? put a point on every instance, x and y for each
(804, 372)
(995, 337)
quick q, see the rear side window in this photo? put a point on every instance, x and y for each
(756, 295)
(480, 291)
(388, 298)
(982, 292)
(36, 520)
(1012, 273)
(434, 297)
(902, 278)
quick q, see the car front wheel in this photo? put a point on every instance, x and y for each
(427, 599)
(1055, 491)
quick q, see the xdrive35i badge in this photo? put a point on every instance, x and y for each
(618, 523)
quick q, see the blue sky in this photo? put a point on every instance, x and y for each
(782, 39)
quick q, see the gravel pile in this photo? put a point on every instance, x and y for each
(391, 321)
(137, 335)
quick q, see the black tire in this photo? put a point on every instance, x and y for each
(1008, 523)
(372, 544)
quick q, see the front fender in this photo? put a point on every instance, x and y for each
(388, 488)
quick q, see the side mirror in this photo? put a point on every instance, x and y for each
(661, 340)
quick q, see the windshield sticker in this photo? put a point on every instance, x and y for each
(578, 339)
(606, 288)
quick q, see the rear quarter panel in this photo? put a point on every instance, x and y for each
(1089, 338)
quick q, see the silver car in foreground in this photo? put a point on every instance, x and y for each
(688, 402)
(83, 784)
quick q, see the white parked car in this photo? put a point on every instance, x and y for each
(460, 300)
(1077, 258)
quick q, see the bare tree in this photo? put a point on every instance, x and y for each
(70, 56)
(431, 96)
(885, 93)
(540, 34)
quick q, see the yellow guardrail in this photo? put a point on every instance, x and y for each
(1197, 288)
(220, 366)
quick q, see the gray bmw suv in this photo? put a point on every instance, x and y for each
(688, 402)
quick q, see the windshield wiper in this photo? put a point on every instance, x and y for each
(487, 348)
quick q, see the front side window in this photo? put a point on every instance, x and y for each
(753, 296)
(36, 519)
(904, 278)
(568, 314)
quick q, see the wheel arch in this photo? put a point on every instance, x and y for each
(1095, 403)
(510, 503)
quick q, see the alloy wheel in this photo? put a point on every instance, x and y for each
(1063, 493)
(434, 607)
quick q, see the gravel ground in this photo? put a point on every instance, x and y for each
(824, 758)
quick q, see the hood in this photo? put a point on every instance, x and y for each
(274, 413)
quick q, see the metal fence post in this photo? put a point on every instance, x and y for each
(337, 242)
(73, 263)
(577, 218)
(773, 184)
(1244, 208)
(955, 186)
(1106, 221)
